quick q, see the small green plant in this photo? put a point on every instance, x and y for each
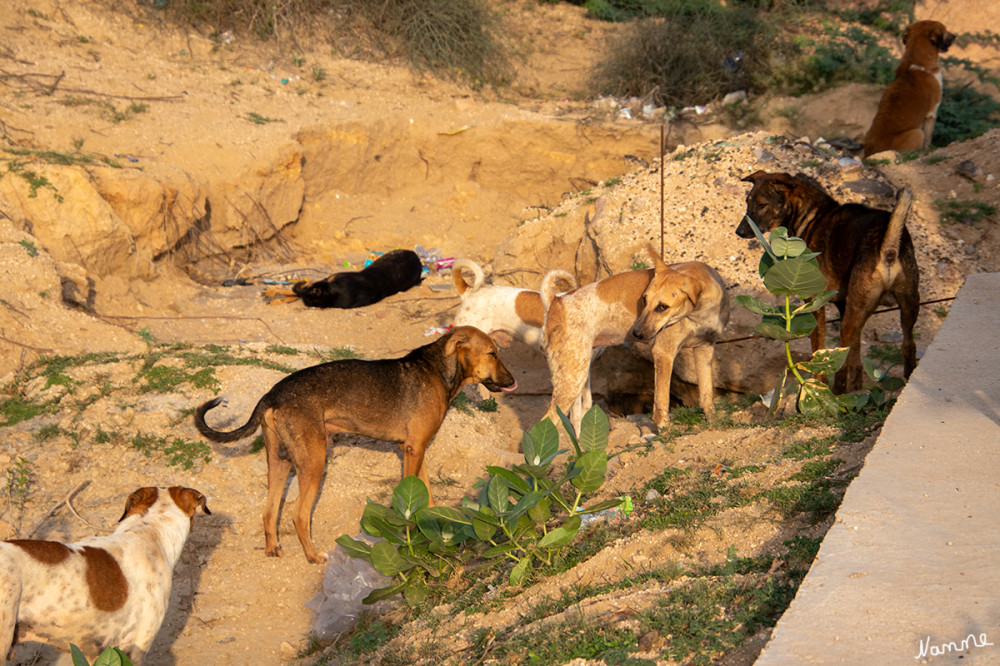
(29, 246)
(638, 263)
(341, 353)
(110, 657)
(319, 74)
(20, 483)
(488, 405)
(955, 211)
(790, 271)
(258, 119)
(462, 403)
(298, 60)
(178, 452)
(521, 516)
(941, 311)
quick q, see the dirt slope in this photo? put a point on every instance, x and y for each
(63, 63)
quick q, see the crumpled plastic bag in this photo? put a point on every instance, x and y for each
(347, 582)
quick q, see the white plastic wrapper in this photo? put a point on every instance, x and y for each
(347, 582)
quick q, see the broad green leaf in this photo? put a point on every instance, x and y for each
(112, 657)
(78, 657)
(502, 549)
(562, 535)
(760, 236)
(520, 570)
(387, 560)
(601, 506)
(355, 548)
(568, 427)
(415, 591)
(540, 443)
(443, 524)
(852, 402)
(871, 369)
(527, 501)
(795, 278)
(891, 383)
(513, 480)
(498, 493)
(816, 399)
(766, 261)
(484, 530)
(594, 429)
(383, 593)
(410, 496)
(757, 306)
(774, 327)
(818, 301)
(592, 466)
(788, 247)
(826, 360)
(541, 512)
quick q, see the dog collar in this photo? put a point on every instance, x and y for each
(921, 68)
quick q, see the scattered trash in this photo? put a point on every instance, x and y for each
(431, 259)
(372, 256)
(236, 282)
(347, 582)
(438, 330)
(272, 281)
(653, 494)
(616, 515)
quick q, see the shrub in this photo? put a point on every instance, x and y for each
(964, 114)
(721, 45)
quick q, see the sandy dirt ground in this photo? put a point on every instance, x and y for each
(230, 604)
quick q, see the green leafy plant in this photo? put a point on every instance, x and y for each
(110, 657)
(964, 211)
(790, 271)
(20, 482)
(522, 516)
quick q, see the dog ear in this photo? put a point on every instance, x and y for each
(459, 336)
(658, 263)
(906, 34)
(139, 501)
(692, 288)
(754, 177)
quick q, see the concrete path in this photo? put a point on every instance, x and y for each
(910, 571)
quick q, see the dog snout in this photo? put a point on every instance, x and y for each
(744, 230)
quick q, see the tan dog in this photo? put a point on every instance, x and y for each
(679, 308)
(503, 312)
(908, 108)
(401, 400)
(103, 591)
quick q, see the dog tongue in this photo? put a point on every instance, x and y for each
(509, 389)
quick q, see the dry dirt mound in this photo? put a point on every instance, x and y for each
(370, 157)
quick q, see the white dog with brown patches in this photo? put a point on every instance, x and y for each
(503, 312)
(681, 308)
(101, 592)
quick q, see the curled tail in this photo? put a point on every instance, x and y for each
(249, 428)
(549, 282)
(477, 276)
(889, 252)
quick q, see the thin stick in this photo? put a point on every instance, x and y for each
(67, 501)
(663, 149)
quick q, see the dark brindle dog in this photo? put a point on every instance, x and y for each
(400, 400)
(391, 273)
(864, 255)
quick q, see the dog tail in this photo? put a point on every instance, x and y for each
(249, 428)
(549, 282)
(477, 275)
(889, 253)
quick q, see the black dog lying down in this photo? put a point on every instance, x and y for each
(391, 273)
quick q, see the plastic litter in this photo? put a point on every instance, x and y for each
(347, 582)
(438, 330)
(617, 514)
(432, 260)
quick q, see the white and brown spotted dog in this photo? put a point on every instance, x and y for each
(503, 312)
(102, 591)
(680, 308)
(908, 108)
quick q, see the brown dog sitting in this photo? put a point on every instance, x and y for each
(865, 254)
(908, 108)
(400, 400)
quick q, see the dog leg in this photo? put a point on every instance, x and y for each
(909, 308)
(569, 367)
(818, 337)
(859, 307)
(10, 600)
(413, 460)
(704, 357)
(664, 351)
(310, 459)
(277, 474)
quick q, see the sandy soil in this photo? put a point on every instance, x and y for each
(230, 604)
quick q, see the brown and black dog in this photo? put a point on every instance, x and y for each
(908, 108)
(865, 254)
(401, 400)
